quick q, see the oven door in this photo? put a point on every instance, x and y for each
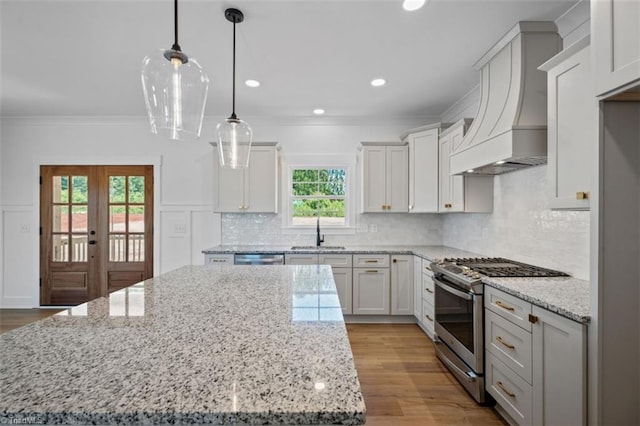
(459, 323)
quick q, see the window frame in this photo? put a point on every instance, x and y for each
(318, 162)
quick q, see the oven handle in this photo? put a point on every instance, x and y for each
(458, 293)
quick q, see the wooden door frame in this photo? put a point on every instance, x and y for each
(92, 160)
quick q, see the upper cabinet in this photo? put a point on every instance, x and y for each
(461, 193)
(250, 190)
(423, 169)
(615, 32)
(571, 128)
(385, 178)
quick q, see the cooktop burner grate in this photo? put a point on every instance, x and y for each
(500, 267)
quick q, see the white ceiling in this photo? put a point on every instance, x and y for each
(83, 57)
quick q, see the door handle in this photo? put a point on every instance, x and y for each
(92, 241)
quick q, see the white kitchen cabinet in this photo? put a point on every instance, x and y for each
(536, 362)
(343, 277)
(417, 288)
(385, 178)
(250, 190)
(300, 259)
(371, 291)
(218, 259)
(571, 128)
(401, 285)
(461, 193)
(423, 169)
(615, 32)
(428, 299)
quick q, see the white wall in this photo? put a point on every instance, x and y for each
(183, 190)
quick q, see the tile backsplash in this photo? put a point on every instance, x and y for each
(523, 228)
(390, 229)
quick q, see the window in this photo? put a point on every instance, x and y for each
(318, 192)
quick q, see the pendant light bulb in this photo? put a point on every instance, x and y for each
(175, 89)
(234, 135)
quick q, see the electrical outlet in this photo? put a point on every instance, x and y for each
(179, 228)
(373, 227)
(485, 233)
(25, 229)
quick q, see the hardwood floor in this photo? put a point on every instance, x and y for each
(14, 318)
(404, 384)
(402, 381)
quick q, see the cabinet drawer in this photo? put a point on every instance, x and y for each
(370, 260)
(515, 310)
(509, 343)
(511, 392)
(301, 259)
(218, 259)
(428, 287)
(428, 314)
(338, 260)
(426, 267)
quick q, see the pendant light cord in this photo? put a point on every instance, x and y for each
(175, 46)
(233, 93)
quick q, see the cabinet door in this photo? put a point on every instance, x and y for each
(423, 171)
(397, 186)
(445, 202)
(374, 179)
(371, 291)
(231, 189)
(417, 287)
(402, 285)
(262, 181)
(300, 259)
(456, 183)
(343, 278)
(559, 370)
(428, 315)
(571, 132)
(616, 41)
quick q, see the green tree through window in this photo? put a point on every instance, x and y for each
(318, 193)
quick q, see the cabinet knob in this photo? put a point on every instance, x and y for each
(582, 195)
(395, 260)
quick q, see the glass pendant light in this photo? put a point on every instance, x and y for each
(234, 135)
(175, 90)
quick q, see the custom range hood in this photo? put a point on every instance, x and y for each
(510, 130)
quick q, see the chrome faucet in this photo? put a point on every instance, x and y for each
(318, 239)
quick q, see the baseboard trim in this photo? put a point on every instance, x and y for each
(380, 319)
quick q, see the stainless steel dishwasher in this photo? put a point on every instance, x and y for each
(259, 259)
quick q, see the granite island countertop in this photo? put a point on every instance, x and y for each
(201, 344)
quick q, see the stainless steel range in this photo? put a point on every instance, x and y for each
(459, 322)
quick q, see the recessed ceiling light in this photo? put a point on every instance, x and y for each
(411, 5)
(470, 171)
(500, 162)
(252, 83)
(318, 111)
(377, 82)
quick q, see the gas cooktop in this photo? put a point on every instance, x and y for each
(500, 267)
(468, 272)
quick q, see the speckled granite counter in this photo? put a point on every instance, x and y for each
(568, 297)
(426, 252)
(201, 344)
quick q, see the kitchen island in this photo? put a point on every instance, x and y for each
(201, 344)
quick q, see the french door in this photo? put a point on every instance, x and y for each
(96, 231)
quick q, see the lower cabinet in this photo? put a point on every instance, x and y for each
(417, 287)
(341, 268)
(402, 285)
(371, 290)
(535, 369)
(218, 259)
(428, 299)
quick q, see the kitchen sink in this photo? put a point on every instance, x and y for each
(317, 248)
